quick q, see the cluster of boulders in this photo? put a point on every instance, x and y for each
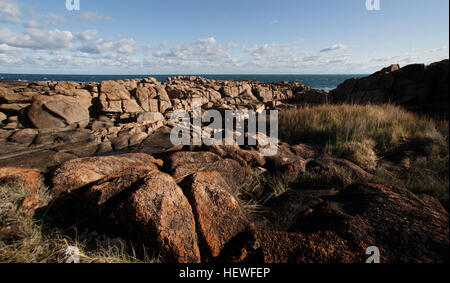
(45, 123)
(186, 206)
(104, 151)
(416, 87)
(45, 105)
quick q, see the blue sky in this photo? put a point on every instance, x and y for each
(220, 37)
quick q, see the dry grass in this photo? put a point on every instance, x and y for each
(27, 240)
(365, 134)
(387, 125)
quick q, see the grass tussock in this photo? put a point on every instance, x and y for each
(260, 187)
(367, 134)
(387, 126)
(27, 240)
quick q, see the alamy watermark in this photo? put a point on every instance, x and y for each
(373, 5)
(227, 130)
(73, 5)
(374, 253)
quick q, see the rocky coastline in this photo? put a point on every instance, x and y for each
(104, 152)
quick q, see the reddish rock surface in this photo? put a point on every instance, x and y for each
(218, 213)
(77, 173)
(112, 185)
(31, 178)
(162, 216)
(416, 87)
(183, 164)
(403, 226)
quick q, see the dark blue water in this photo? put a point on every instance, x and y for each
(314, 81)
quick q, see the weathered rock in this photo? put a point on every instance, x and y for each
(183, 164)
(62, 136)
(67, 85)
(120, 142)
(25, 136)
(218, 214)
(57, 112)
(77, 173)
(416, 87)
(283, 157)
(334, 164)
(113, 91)
(131, 106)
(30, 178)
(13, 109)
(99, 124)
(282, 212)
(312, 97)
(403, 226)
(9, 96)
(280, 247)
(4, 134)
(11, 125)
(150, 117)
(112, 185)
(3, 117)
(111, 106)
(162, 217)
(137, 139)
(264, 94)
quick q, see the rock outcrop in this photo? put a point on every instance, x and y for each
(417, 87)
(200, 218)
(104, 151)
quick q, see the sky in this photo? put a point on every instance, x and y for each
(220, 37)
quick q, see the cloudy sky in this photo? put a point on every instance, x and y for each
(219, 37)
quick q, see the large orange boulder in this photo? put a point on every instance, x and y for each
(182, 164)
(218, 213)
(162, 217)
(77, 173)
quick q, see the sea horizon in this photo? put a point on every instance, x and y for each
(318, 81)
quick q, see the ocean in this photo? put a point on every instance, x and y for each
(314, 81)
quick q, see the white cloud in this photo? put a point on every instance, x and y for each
(87, 35)
(312, 58)
(97, 46)
(9, 12)
(6, 34)
(37, 39)
(92, 16)
(6, 49)
(203, 51)
(93, 45)
(7, 59)
(333, 48)
(45, 21)
(259, 51)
